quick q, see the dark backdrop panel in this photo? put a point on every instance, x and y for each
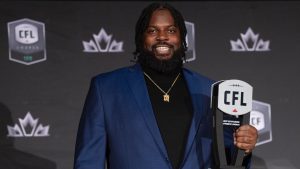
(54, 90)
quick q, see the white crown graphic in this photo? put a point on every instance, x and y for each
(244, 44)
(29, 128)
(102, 43)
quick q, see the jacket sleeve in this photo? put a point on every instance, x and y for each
(90, 149)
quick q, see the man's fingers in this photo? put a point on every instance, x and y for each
(247, 128)
(244, 146)
(245, 139)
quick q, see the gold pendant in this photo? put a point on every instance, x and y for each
(166, 98)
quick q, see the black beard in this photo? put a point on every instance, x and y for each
(148, 59)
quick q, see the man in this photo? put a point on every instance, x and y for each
(154, 114)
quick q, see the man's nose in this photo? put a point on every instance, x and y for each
(162, 36)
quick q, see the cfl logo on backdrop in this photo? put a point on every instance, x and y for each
(257, 119)
(260, 118)
(235, 97)
(102, 42)
(28, 127)
(26, 41)
(190, 41)
(26, 34)
(250, 42)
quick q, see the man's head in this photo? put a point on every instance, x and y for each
(160, 37)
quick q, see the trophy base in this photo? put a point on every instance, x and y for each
(232, 167)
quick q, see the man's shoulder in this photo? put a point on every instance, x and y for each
(113, 73)
(115, 76)
(199, 77)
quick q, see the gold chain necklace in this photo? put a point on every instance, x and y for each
(166, 96)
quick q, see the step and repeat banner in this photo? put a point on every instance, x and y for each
(49, 51)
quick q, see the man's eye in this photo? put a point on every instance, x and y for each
(172, 31)
(151, 31)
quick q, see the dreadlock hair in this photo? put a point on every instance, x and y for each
(144, 20)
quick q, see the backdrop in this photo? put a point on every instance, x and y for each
(49, 51)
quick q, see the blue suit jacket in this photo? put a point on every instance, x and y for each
(118, 124)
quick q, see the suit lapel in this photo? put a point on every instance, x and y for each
(138, 87)
(198, 107)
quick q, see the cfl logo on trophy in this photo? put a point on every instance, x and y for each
(26, 41)
(235, 97)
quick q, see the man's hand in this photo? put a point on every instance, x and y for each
(245, 138)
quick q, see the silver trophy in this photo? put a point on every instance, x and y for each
(231, 104)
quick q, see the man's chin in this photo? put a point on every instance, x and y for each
(163, 56)
(161, 63)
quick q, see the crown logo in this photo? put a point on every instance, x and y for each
(249, 42)
(28, 128)
(102, 43)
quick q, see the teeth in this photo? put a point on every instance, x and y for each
(162, 49)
